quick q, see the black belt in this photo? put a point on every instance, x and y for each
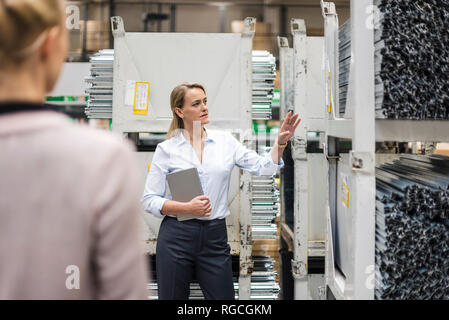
(197, 221)
(19, 106)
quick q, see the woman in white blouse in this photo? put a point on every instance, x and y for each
(199, 247)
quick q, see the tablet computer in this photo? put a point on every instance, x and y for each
(184, 186)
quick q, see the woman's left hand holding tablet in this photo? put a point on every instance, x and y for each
(200, 206)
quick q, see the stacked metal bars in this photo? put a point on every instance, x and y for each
(259, 291)
(264, 204)
(344, 49)
(412, 228)
(264, 75)
(276, 102)
(263, 279)
(264, 207)
(412, 59)
(99, 104)
(263, 285)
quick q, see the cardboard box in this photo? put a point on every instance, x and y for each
(265, 245)
(262, 28)
(277, 82)
(97, 35)
(263, 43)
(273, 123)
(263, 37)
(443, 148)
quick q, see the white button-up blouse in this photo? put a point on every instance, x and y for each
(221, 153)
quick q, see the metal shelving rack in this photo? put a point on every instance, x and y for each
(352, 176)
(223, 63)
(360, 221)
(302, 91)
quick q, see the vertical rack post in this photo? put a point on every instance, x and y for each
(358, 216)
(331, 62)
(245, 259)
(363, 147)
(118, 33)
(286, 76)
(300, 244)
(249, 28)
(286, 84)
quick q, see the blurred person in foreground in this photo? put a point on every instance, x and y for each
(70, 220)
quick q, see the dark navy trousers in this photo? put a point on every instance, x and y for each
(193, 247)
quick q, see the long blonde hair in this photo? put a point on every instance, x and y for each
(22, 25)
(177, 101)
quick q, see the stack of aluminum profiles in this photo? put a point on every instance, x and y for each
(263, 279)
(412, 59)
(259, 291)
(264, 207)
(344, 50)
(152, 290)
(99, 104)
(264, 75)
(412, 228)
(195, 291)
(152, 285)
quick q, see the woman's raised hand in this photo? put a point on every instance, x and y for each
(200, 206)
(288, 127)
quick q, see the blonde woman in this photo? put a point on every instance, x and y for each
(199, 247)
(69, 209)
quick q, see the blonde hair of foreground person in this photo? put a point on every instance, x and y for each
(23, 26)
(33, 43)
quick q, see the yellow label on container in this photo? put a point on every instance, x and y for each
(141, 97)
(329, 107)
(345, 194)
(278, 182)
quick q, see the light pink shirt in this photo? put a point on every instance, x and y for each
(69, 199)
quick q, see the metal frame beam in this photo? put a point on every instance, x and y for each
(299, 263)
(361, 129)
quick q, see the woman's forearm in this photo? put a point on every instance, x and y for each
(175, 207)
(276, 153)
(199, 206)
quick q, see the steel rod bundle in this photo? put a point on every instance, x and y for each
(99, 104)
(264, 74)
(264, 207)
(412, 59)
(344, 49)
(412, 228)
(263, 279)
(264, 204)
